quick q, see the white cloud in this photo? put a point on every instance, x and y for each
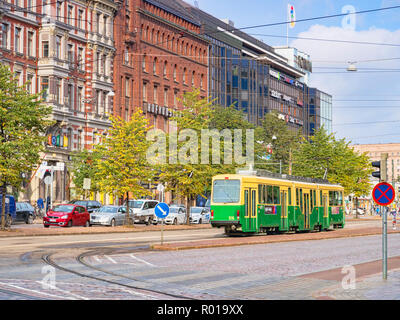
(363, 86)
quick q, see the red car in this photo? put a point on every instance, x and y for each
(67, 215)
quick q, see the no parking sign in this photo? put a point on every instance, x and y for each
(383, 194)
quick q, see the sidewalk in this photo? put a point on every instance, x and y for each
(39, 230)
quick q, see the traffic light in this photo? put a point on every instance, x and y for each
(382, 165)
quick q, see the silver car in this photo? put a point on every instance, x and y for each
(109, 216)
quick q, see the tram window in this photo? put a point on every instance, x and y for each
(312, 199)
(335, 198)
(297, 197)
(320, 198)
(260, 194)
(315, 197)
(290, 196)
(269, 195)
(264, 190)
(276, 195)
(301, 198)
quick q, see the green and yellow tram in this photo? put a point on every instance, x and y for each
(265, 203)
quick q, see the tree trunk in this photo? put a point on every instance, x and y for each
(127, 216)
(187, 211)
(3, 206)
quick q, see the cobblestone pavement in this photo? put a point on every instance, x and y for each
(263, 271)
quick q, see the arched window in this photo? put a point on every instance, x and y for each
(184, 75)
(202, 81)
(152, 35)
(193, 75)
(165, 69)
(175, 72)
(155, 66)
(144, 63)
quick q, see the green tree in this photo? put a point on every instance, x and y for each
(83, 166)
(325, 157)
(183, 173)
(23, 123)
(282, 140)
(121, 164)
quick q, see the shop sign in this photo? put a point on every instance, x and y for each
(287, 98)
(276, 94)
(274, 73)
(57, 141)
(156, 109)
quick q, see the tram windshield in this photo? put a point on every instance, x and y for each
(226, 191)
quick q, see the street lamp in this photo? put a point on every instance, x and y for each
(352, 67)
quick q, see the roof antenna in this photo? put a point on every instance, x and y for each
(196, 4)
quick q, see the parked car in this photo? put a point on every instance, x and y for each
(177, 215)
(67, 215)
(109, 216)
(90, 205)
(143, 210)
(360, 211)
(25, 212)
(199, 215)
(208, 205)
(10, 210)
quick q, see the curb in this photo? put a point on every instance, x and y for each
(18, 233)
(292, 238)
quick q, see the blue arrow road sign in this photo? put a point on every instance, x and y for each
(161, 210)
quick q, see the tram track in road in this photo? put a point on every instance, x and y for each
(23, 296)
(47, 258)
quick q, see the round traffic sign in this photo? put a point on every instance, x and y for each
(383, 194)
(161, 210)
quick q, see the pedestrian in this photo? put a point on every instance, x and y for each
(40, 206)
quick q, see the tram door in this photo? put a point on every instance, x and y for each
(306, 208)
(284, 208)
(250, 204)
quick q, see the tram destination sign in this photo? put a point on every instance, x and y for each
(383, 194)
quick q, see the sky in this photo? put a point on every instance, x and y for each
(366, 103)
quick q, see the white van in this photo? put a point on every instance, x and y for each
(143, 210)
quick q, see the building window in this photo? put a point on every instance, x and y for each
(165, 97)
(79, 98)
(155, 66)
(58, 90)
(58, 47)
(126, 56)
(184, 75)
(80, 18)
(201, 81)
(70, 54)
(145, 92)
(80, 58)
(144, 63)
(103, 64)
(175, 72)
(45, 87)
(30, 44)
(193, 75)
(104, 25)
(71, 96)
(155, 96)
(165, 69)
(59, 15)
(69, 15)
(45, 49)
(17, 39)
(4, 38)
(127, 21)
(29, 85)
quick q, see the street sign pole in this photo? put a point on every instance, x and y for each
(384, 242)
(162, 231)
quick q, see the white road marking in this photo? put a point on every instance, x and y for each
(64, 291)
(35, 291)
(141, 260)
(111, 259)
